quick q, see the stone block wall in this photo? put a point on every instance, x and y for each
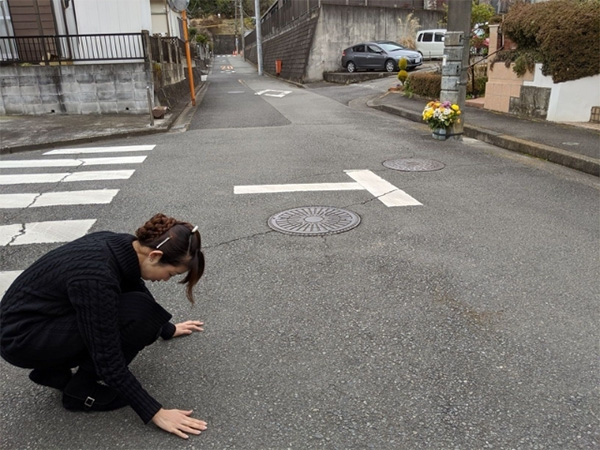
(503, 84)
(292, 47)
(74, 89)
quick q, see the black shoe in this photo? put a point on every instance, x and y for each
(54, 378)
(84, 393)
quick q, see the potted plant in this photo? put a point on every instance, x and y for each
(440, 116)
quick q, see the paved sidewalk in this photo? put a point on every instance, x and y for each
(21, 133)
(574, 146)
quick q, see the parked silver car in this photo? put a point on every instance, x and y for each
(379, 55)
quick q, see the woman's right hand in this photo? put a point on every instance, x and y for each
(178, 422)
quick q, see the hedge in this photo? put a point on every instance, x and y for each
(429, 84)
(563, 35)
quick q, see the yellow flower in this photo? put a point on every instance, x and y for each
(455, 108)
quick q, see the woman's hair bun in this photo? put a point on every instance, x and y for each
(155, 227)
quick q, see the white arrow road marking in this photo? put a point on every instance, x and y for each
(44, 232)
(273, 93)
(116, 149)
(98, 175)
(34, 200)
(17, 164)
(386, 192)
(389, 194)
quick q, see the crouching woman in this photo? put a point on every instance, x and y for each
(84, 305)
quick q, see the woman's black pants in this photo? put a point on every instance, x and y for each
(58, 343)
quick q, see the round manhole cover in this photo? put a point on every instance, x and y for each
(314, 221)
(414, 165)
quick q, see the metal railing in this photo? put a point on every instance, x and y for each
(82, 47)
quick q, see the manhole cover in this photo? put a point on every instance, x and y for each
(414, 165)
(314, 221)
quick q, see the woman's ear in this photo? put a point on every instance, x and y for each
(154, 256)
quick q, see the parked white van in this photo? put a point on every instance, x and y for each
(430, 43)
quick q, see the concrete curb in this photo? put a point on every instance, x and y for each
(84, 140)
(552, 154)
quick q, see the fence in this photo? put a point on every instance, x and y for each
(59, 49)
(83, 47)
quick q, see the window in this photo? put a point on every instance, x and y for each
(439, 37)
(427, 37)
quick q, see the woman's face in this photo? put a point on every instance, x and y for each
(153, 270)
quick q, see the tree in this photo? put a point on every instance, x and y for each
(480, 13)
(226, 8)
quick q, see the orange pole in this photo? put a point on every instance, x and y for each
(188, 57)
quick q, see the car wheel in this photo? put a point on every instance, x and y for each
(390, 65)
(351, 67)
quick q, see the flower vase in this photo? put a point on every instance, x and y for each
(441, 134)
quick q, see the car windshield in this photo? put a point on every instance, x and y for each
(391, 47)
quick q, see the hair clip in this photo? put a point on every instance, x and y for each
(158, 246)
(194, 229)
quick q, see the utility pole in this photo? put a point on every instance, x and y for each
(456, 58)
(188, 56)
(258, 37)
(242, 29)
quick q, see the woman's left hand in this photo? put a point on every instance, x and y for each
(188, 327)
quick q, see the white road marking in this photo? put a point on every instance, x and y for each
(116, 149)
(273, 93)
(271, 188)
(35, 200)
(98, 175)
(44, 232)
(6, 279)
(386, 192)
(18, 164)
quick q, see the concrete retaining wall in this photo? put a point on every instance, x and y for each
(74, 89)
(340, 27)
(313, 43)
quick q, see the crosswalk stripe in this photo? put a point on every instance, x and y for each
(66, 177)
(18, 164)
(44, 232)
(116, 149)
(6, 279)
(35, 200)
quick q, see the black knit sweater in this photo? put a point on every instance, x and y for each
(84, 277)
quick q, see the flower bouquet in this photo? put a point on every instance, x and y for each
(440, 115)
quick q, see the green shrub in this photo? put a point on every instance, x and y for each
(201, 38)
(402, 73)
(563, 35)
(425, 84)
(402, 76)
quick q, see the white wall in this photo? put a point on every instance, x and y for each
(165, 21)
(113, 16)
(570, 101)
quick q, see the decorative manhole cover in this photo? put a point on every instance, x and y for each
(314, 221)
(414, 165)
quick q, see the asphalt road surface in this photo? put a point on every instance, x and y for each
(460, 313)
